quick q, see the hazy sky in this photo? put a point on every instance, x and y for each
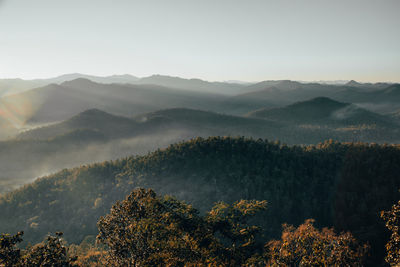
(248, 40)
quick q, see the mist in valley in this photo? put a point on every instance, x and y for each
(296, 103)
(23, 165)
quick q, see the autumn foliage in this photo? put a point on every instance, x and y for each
(392, 219)
(308, 246)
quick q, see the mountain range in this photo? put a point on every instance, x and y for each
(95, 121)
(54, 102)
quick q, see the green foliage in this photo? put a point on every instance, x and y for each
(147, 230)
(51, 252)
(230, 224)
(392, 219)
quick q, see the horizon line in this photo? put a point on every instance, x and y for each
(233, 80)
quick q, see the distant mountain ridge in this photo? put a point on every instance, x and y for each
(193, 84)
(323, 111)
(14, 86)
(57, 102)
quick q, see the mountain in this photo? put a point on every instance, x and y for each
(389, 94)
(330, 182)
(193, 84)
(15, 86)
(324, 111)
(109, 125)
(274, 94)
(353, 83)
(380, 97)
(372, 86)
(55, 102)
(279, 84)
(125, 78)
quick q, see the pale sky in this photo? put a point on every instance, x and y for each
(248, 40)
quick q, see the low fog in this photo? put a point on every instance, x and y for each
(20, 165)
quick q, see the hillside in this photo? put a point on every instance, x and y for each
(298, 183)
(324, 111)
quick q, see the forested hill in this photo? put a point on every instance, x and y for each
(340, 185)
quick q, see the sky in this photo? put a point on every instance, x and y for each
(248, 40)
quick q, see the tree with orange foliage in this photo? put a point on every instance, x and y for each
(392, 219)
(307, 246)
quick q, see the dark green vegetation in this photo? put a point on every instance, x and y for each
(146, 229)
(339, 185)
(50, 252)
(149, 230)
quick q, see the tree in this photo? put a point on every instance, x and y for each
(10, 255)
(229, 223)
(307, 246)
(392, 219)
(51, 252)
(148, 230)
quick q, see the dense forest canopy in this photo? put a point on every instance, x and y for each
(339, 185)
